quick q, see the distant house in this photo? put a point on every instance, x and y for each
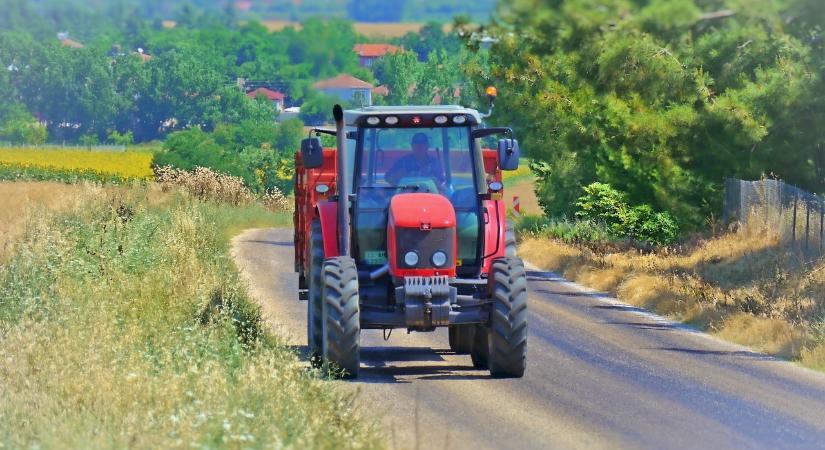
(275, 97)
(368, 53)
(63, 37)
(347, 88)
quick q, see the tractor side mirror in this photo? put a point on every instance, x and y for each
(312, 154)
(508, 154)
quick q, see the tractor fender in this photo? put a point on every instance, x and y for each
(495, 229)
(328, 216)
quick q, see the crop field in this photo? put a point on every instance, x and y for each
(369, 29)
(31, 163)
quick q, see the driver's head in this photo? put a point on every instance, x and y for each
(420, 145)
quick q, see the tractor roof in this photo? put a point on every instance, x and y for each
(352, 115)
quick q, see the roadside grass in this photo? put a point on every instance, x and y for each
(124, 323)
(21, 201)
(741, 286)
(74, 165)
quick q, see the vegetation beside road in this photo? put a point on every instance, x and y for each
(124, 324)
(741, 286)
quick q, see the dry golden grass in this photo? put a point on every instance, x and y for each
(20, 201)
(742, 286)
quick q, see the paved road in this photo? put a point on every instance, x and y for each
(600, 374)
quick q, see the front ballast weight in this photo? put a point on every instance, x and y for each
(426, 302)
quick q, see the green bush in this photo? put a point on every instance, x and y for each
(20, 127)
(259, 152)
(603, 204)
(570, 231)
(126, 138)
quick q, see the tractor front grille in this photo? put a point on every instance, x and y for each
(425, 243)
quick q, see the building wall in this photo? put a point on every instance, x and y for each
(350, 95)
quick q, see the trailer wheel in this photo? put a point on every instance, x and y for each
(508, 328)
(461, 338)
(316, 261)
(479, 351)
(510, 244)
(341, 316)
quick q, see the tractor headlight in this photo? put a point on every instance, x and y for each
(439, 258)
(411, 259)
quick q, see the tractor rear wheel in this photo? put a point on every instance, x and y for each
(480, 350)
(316, 261)
(341, 316)
(461, 338)
(508, 327)
(510, 244)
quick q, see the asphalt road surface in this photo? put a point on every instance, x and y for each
(600, 374)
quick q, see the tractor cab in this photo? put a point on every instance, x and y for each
(402, 226)
(424, 150)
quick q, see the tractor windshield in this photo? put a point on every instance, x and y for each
(400, 160)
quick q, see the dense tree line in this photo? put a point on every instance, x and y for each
(662, 99)
(64, 11)
(189, 77)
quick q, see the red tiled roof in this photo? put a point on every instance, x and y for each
(143, 56)
(268, 93)
(382, 90)
(342, 81)
(374, 50)
(70, 43)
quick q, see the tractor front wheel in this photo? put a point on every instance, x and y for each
(461, 338)
(314, 322)
(341, 316)
(508, 327)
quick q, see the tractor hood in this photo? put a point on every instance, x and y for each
(421, 236)
(422, 211)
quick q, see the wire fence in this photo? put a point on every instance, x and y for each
(794, 216)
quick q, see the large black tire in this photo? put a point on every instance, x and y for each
(461, 338)
(510, 244)
(508, 327)
(480, 350)
(341, 317)
(314, 309)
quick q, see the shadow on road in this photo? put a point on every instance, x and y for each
(702, 352)
(273, 243)
(649, 325)
(533, 275)
(404, 365)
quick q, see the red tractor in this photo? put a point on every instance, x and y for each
(403, 226)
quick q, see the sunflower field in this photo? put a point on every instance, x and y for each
(74, 164)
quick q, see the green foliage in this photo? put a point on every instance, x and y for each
(570, 231)
(438, 79)
(19, 127)
(17, 173)
(604, 205)
(660, 99)
(89, 140)
(317, 109)
(127, 138)
(261, 153)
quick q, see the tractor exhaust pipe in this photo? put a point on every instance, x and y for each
(343, 183)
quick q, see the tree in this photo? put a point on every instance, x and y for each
(20, 127)
(317, 109)
(657, 99)
(401, 72)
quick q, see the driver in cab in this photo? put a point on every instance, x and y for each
(417, 165)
